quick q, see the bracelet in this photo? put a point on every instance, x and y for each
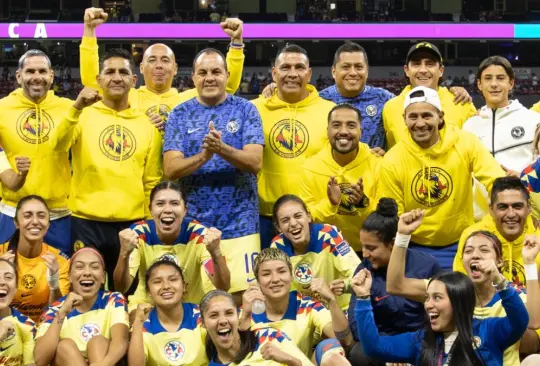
(53, 280)
(363, 298)
(531, 272)
(501, 285)
(237, 45)
(402, 240)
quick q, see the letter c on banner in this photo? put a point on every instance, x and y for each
(11, 30)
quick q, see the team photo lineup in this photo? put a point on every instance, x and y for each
(149, 222)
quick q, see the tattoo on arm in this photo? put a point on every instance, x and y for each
(342, 334)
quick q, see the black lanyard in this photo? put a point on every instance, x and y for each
(449, 357)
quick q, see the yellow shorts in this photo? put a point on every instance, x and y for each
(240, 254)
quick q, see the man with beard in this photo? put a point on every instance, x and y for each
(424, 67)
(214, 146)
(339, 183)
(30, 117)
(432, 169)
(115, 162)
(158, 68)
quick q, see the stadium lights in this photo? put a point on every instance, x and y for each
(333, 6)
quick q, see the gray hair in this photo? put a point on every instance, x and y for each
(33, 53)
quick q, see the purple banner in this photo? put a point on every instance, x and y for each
(285, 31)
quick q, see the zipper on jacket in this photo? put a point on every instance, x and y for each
(493, 134)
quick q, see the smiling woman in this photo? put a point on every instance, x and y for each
(43, 269)
(87, 324)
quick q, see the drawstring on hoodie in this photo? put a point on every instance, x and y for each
(425, 184)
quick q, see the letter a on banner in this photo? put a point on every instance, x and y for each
(41, 31)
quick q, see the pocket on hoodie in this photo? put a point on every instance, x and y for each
(109, 197)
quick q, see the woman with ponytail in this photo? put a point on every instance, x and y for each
(315, 250)
(42, 269)
(226, 344)
(393, 314)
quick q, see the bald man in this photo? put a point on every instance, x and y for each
(158, 67)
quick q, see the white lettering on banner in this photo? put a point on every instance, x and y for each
(41, 31)
(11, 30)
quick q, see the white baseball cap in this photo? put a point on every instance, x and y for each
(426, 95)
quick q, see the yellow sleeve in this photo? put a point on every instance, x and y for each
(320, 319)
(290, 348)
(28, 343)
(390, 187)
(470, 111)
(89, 62)
(536, 107)
(68, 131)
(63, 278)
(118, 310)
(458, 259)
(135, 260)
(4, 162)
(320, 208)
(484, 166)
(152, 169)
(235, 64)
(346, 261)
(386, 116)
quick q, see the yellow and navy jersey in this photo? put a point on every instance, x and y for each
(303, 322)
(264, 335)
(183, 347)
(33, 289)
(108, 310)
(18, 347)
(188, 251)
(328, 256)
(494, 309)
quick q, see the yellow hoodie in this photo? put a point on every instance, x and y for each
(21, 134)
(511, 250)
(143, 98)
(116, 162)
(394, 122)
(285, 152)
(347, 217)
(536, 107)
(439, 180)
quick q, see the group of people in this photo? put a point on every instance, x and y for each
(346, 227)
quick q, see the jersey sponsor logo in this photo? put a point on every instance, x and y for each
(10, 335)
(303, 273)
(346, 207)
(163, 111)
(371, 110)
(28, 281)
(2, 349)
(516, 274)
(380, 298)
(517, 132)
(343, 248)
(174, 350)
(191, 130)
(289, 139)
(33, 128)
(89, 330)
(232, 126)
(78, 245)
(432, 186)
(117, 142)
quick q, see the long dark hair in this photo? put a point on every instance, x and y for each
(462, 297)
(13, 244)
(248, 338)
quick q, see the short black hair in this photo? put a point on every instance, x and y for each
(346, 106)
(349, 47)
(496, 61)
(508, 183)
(120, 53)
(210, 50)
(292, 48)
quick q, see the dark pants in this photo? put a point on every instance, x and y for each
(357, 357)
(102, 236)
(267, 231)
(444, 255)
